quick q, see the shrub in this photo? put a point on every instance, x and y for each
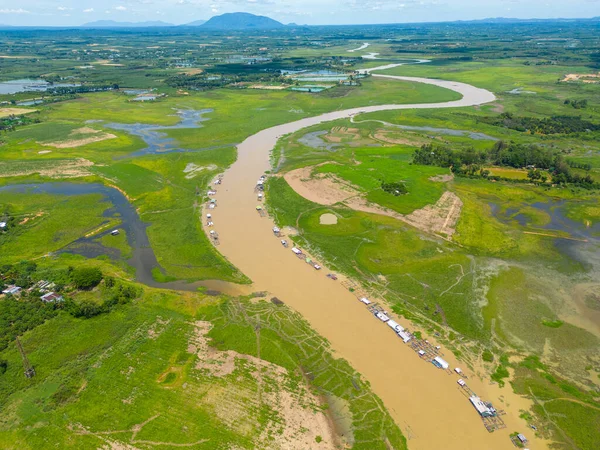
(487, 356)
(86, 278)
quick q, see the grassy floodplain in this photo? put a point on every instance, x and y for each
(501, 284)
(506, 292)
(163, 193)
(140, 361)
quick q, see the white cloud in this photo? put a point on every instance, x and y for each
(121, 8)
(14, 11)
(89, 10)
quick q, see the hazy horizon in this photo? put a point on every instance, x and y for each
(311, 12)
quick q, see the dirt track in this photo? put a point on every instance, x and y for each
(425, 402)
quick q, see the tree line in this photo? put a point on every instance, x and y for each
(470, 162)
(546, 125)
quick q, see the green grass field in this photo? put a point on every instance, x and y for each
(131, 377)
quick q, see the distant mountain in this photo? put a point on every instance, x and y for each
(241, 21)
(195, 23)
(115, 24)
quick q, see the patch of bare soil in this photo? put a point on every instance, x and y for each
(585, 78)
(393, 137)
(64, 169)
(343, 133)
(442, 178)
(299, 419)
(5, 112)
(324, 189)
(157, 328)
(27, 219)
(191, 170)
(440, 218)
(80, 137)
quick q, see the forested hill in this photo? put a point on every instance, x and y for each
(237, 21)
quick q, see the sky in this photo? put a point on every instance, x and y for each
(311, 12)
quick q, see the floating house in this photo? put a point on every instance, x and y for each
(395, 326)
(404, 336)
(381, 316)
(439, 362)
(482, 408)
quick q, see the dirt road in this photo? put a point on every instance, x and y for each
(425, 402)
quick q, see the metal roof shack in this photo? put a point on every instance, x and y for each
(395, 326)
(522, 438)
(483, 409)
(381, 316)
(12, 290)
(51, 297)
(439, 362)
(404, 336)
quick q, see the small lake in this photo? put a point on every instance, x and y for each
(143, 259)
(445, 131)
(27, 85)
(156, 138)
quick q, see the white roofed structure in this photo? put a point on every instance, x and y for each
(440, 362)
(481, 407)
(404, 336)
(381, 316)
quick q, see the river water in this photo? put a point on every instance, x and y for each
(425, 402)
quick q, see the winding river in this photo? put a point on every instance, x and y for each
(425, 402)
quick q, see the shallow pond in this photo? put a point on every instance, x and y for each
(445, 131)
(584, 246)
(156, 138)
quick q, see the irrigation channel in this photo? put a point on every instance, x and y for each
(426, 402)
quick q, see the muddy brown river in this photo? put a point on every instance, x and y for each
(425, 402)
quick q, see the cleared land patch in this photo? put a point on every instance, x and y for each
(5, 112)
(328, 189)
(80, 137)
(58, 168)
(324, 189)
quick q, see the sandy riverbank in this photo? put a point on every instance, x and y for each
(425, 402)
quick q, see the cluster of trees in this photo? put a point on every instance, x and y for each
(470, 162)
(10, 123)
(19, 316)
(577, 104)
(547, 125)
(23, 313)
(394, 188)
(116, 293)
(206, 81)
(70, 90)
